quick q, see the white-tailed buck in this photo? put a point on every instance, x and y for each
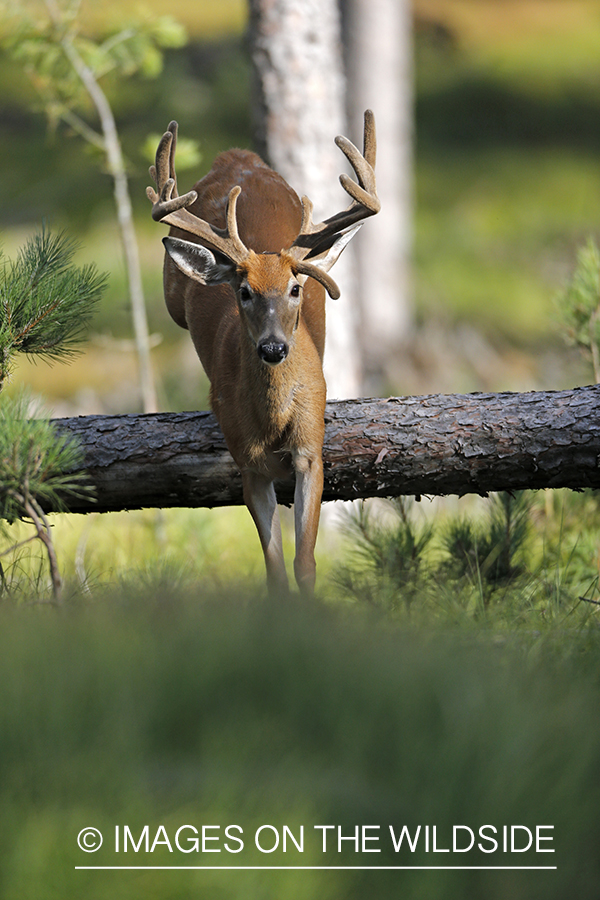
(246, 272)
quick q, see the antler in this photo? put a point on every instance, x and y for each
(315, 239)
(169, 207)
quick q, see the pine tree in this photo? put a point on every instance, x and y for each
(46, 303)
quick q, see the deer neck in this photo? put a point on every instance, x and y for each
(268, 390)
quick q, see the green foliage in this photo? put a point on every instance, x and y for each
(579, 305)
(66, 67)
(35, 461)
(40, 45)
(46, 302)
(45, 305)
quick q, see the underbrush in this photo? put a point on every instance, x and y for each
(523, 560)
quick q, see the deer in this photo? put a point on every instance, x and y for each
(246, 272)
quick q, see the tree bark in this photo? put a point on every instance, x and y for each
(435, 445)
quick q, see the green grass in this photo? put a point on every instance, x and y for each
(217, 548)
(544, 45)
(507, 564)
(504, 563)
(165, 707)
(506, 178)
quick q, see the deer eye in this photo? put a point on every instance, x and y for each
(245, 294)
(295, 290)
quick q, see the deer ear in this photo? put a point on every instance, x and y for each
(319, 266)
(199, 263)
(334, 252)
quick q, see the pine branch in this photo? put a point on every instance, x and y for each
(46, 302)
(36, 458)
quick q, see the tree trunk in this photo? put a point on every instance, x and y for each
(299, 108)
(436, 444)
(378, 43)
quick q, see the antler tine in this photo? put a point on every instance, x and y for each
(305, 268)
(165, 157)
(363, 165)
(370, 138)
(307, 211)
(315, 239)
(173, 129)
(232, 232)
(167, 200)
(170, 208)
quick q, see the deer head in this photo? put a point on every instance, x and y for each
(268, 286)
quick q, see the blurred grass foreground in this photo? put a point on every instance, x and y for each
(157, 712)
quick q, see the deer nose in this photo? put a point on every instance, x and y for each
(272, 351)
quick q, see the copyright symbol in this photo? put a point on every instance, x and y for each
(89, 839)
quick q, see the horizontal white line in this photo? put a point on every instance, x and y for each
(328, 868)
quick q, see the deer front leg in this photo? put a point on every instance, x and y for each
(259, 497)
(307, 509)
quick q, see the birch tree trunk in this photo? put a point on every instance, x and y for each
(378, 39)
(299, 109)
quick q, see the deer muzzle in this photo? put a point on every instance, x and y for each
(272, 351)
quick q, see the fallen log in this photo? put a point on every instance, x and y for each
(435, 445)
